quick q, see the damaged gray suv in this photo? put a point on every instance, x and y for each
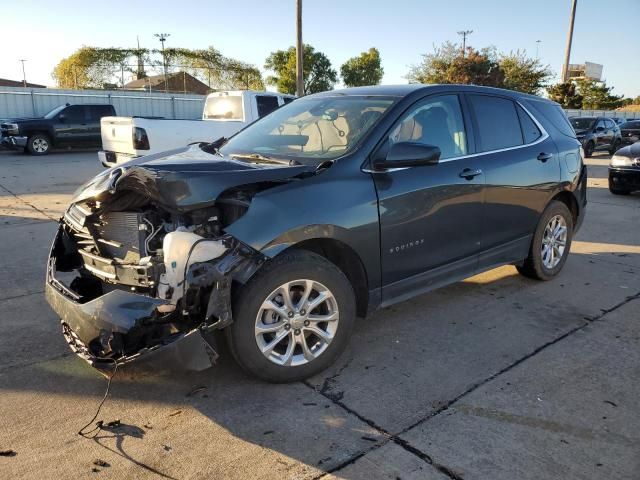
(330, 207)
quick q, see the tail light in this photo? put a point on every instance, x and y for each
(140, 139)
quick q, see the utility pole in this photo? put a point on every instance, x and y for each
(538, 48)
(567, 51)
(140, 73)
(299, 51)
(24, 76)
(162, 37)
(464, 34)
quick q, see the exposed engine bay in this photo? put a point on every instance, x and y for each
(130, 274)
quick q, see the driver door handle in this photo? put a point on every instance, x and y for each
(543, 157)
(469, 173)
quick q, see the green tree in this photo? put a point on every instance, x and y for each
(317, 72)
(566, 95)
(362, 70)
(90, 67)
(523, 73)
(214, 69)
(597, 96)
(447, 65)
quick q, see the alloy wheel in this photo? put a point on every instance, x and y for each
(296, 322)
(554, 242)
(40, 145)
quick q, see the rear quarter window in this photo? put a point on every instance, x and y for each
(498, 122)
(553, 114)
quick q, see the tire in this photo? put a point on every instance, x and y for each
(293, 268)
(541, 267)
(588, 149)
(38, 144)
(614, 148)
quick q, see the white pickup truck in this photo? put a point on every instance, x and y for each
(225, 113)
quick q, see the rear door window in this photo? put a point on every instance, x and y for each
(530, 130)
(609, 124)
(74, 114)
(497, 121)
(266, 104)
(96, 112)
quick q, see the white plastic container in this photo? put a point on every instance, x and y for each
(181, 249)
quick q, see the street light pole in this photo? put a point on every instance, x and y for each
(567, 51)
(538, 49)
(24, 76)
(464, 34)
(299, 51)
(162, 37)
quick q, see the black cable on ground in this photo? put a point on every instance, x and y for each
(98, 425)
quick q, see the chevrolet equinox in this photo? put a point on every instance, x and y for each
(330, 207)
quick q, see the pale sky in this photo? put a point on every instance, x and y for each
(44, 31)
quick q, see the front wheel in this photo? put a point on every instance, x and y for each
(38, 144)
(615, 147)
(588, 149)
(551, 243)
(293, 318)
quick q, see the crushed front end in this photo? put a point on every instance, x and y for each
(131, 280)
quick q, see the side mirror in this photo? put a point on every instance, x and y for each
(600, 129)
(408, 154)
(62, 117)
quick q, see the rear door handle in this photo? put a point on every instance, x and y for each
(543, 157)
(468, 173)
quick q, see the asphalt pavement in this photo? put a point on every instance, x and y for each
(496, 377)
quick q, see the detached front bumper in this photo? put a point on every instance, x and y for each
(88, 326)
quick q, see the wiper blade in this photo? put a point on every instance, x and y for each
(257, 157)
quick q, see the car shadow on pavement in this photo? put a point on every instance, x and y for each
(404, 364)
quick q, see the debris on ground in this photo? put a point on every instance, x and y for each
(7, 453)
(369, 439)
(101, 463)
(175, 412)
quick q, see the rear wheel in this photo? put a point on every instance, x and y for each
(551, 243)
(293, 318)
(38, 144)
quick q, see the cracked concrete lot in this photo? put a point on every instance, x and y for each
(496, 377)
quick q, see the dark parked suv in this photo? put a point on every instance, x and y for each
(64, 126)
(597, 133)
(326, 209)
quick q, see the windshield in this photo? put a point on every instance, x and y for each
(582, 123)
(55, 111)
(224, 107)
(321, 128)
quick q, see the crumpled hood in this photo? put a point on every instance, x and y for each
(183, 179)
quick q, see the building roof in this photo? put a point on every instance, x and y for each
(158, 80)
(5, 82)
